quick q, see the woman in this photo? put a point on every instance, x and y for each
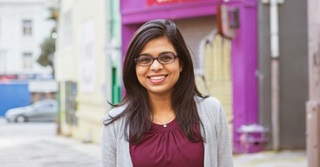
(163, 120)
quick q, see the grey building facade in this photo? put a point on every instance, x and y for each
(286, 120)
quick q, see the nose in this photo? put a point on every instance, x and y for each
(156, 65)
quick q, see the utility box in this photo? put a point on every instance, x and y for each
(13, 95)
(252, 138)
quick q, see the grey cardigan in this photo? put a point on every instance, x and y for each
(217, 145)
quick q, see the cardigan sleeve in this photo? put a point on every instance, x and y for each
(108, 145)
(224, 143)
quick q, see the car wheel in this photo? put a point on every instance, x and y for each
(21, 118)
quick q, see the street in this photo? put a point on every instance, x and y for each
(37, 145)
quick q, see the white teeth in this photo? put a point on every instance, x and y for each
(157, 77)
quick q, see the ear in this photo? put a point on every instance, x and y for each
(181, 66)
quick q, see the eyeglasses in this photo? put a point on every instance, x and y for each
(146, 60)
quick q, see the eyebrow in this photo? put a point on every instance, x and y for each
(147, 54)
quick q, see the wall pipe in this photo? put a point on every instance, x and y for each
(275, 84)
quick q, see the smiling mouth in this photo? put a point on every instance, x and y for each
(157, 78)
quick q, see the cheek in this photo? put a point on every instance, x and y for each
(138, 70)
(140, 73)
(177, 72)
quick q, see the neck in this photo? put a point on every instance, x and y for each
(161, 104)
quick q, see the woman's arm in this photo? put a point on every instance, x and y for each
(224, 143)
(108, 144)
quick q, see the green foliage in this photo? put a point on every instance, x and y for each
(48, 48)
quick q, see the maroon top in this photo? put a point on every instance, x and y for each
(167, 147)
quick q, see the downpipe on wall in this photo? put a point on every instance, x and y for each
(275, 84)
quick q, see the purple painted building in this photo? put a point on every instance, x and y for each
(196, 19)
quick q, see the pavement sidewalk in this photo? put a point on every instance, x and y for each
(286, 158)
(46, 151)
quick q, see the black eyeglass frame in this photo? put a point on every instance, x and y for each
(156, 58)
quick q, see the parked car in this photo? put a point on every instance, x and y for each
(44, 110)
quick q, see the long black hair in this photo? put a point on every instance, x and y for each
(138, 109)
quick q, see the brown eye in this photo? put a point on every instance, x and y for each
(166, 58)
(144, 60)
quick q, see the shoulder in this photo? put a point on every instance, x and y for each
(114, 112)
(209, 102)
(208, 107)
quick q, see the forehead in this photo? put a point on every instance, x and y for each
(157, 46)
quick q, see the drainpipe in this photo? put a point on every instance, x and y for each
(275, 84)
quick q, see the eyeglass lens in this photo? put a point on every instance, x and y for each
(163, 59)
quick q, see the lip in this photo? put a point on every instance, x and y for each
(157, 79)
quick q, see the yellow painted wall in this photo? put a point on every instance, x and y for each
(91, 105)
(217, 72)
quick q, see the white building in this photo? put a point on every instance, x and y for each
(24, 24)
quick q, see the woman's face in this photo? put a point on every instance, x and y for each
(157, 78)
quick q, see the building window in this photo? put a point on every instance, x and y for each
(27, 61)
(27, 27)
